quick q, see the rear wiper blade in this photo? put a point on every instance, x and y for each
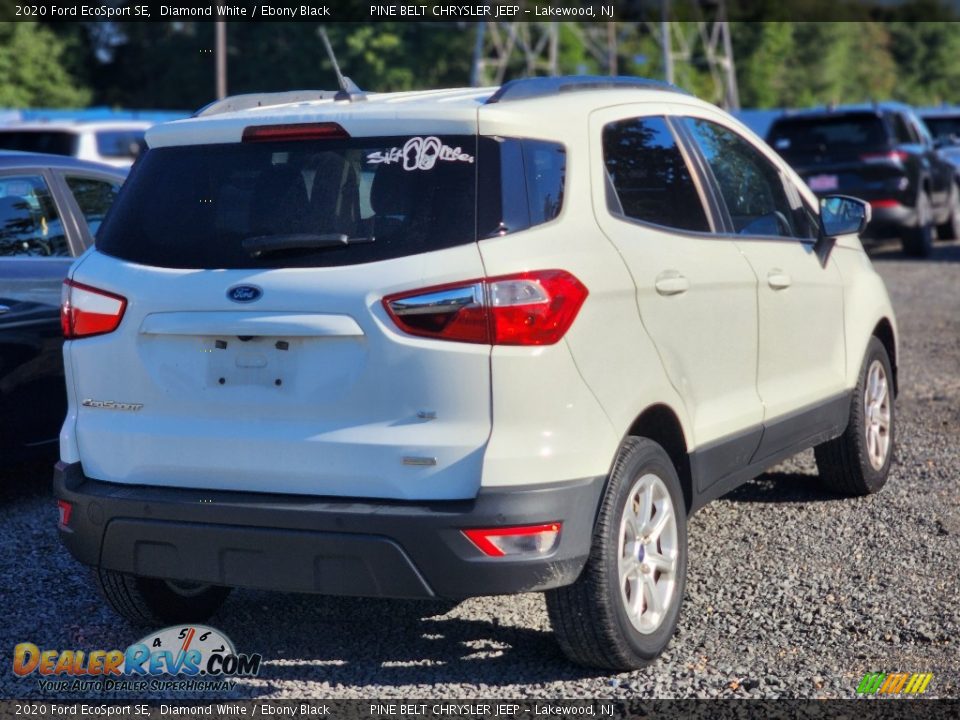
(261, 244)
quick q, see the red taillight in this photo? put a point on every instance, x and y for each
(531, 308)
(86, 311)
(894, 156)
(65, 509)
(294, 131)
(520, 540)
(884, 203)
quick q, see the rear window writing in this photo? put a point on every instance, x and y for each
(326, 202)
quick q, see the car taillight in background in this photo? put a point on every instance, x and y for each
(87, 311)
(894, 156)
(531, 308)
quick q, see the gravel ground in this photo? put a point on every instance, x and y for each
(791, 592)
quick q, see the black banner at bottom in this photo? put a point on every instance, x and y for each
(861, 709)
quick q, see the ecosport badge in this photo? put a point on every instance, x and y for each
(111, 405)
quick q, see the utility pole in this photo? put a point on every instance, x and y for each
(220, 33)
(665, 42)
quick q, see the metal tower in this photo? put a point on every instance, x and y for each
(709, 33)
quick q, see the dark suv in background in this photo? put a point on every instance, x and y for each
(882, 153)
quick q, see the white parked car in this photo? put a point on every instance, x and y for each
(457, 343)
(111, 142)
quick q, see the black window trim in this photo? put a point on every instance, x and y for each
(710, 209)
(728, 232)
(84, 237)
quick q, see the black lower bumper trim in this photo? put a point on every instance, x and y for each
(327, 545)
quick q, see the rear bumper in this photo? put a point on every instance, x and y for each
(320, 544)
(889, 219)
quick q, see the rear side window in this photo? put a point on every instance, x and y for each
(40, 141)
(649, 175)
(295, 204)
(120, 144)
(520, 184)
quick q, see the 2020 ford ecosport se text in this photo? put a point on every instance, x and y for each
(458, 343)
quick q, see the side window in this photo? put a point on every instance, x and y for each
(650, 176)
(94, 197)
(545, 165)
(921, 131)
(902, 130)
(520, 184)
(29, 223)
(752, 187)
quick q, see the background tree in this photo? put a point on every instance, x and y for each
(32, 69)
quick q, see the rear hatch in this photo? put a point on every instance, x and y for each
(255, 352)
(846, 153)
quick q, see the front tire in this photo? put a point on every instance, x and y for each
(153, 602)
(858, 462)
(950, 230)
(623, 609)
(918, 240)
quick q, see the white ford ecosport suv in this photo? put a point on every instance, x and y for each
(457, 343)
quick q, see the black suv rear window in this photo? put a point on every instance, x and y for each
(322, 203)
(849, 131)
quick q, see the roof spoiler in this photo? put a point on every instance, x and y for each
(255, 100)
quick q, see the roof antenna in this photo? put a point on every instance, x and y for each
(348, 89)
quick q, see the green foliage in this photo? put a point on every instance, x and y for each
(886, 54)
(32, 71)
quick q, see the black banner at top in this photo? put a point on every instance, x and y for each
(465, 11)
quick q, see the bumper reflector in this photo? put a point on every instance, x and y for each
(520, 540)
(66, 509)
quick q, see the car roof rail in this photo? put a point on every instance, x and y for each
(236, 103)
(536, 87)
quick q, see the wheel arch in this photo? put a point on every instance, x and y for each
(662, 425)
(884, 332)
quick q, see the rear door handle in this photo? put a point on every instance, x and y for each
(671, 282)
(778, 279)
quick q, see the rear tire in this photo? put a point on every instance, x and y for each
(950, 230)
(918, 240)
(858, 462)
(623, 609)
(151, 601)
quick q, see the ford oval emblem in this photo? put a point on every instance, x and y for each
(244, 293)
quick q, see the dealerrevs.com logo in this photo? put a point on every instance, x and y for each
(191, 657)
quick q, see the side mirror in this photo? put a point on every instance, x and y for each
(839, 215)
(842, 215)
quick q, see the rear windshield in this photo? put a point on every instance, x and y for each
(120, 144)
(328, 202)
(947, 128)
(41, 141)
(843, 132)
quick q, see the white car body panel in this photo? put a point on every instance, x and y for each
(723, 358)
